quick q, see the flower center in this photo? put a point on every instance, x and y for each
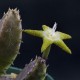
(50, 33)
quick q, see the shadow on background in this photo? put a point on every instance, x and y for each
(34, 14)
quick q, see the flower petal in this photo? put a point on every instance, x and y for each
(62, 45)
(45, 44)
(44, 27)
(37, 33)
(63, 35)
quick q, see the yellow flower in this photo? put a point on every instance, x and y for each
(50, 36)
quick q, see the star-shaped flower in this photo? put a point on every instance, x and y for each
(50, 36)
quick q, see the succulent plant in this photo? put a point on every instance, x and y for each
(10, 38)
(35, 70)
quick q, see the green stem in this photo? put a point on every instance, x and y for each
(46, 52)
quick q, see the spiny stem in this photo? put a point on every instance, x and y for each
(46, 52)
